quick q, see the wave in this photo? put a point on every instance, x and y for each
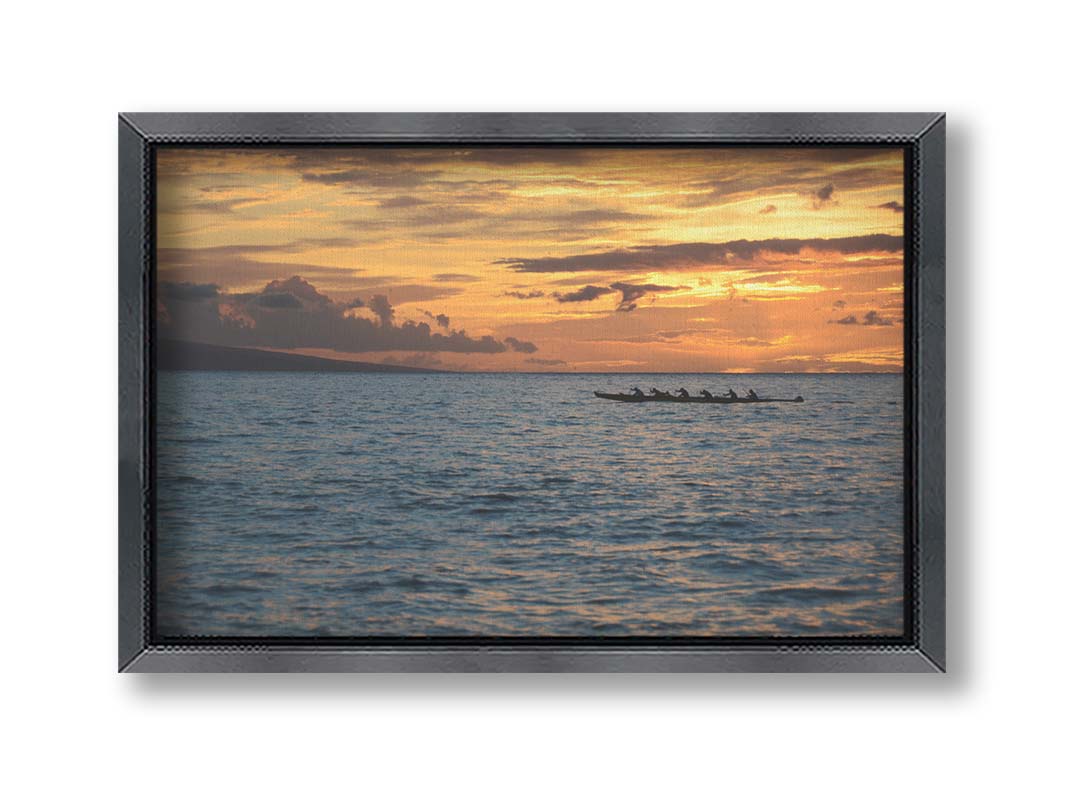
(808, 594)
(410, 519)
(496, 497)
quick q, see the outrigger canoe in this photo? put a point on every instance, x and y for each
(648, 398)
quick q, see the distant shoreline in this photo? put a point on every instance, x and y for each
(173, 355)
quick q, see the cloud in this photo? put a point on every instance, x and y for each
(793, 162)
(435, 216)
(222, 206)
(400, 293)
(372, 177)
(789, 170)
(244, 263)
(892, 205)
(441, 319)
(753, 341)
(298, 287)
(834, 363)
(823, 196)
(768, 209)
(379, 304)
(592, 216)
(455, 277)
(582, 295)
(871, 318)
(632, 292)
(245, 250)
(520, 346)
(317, 159)
(292, 313)
(223, 199)
(456, 220)
(671, 336)
(700, 255)
(547, 362)
(278, 300)
(525, 295)
(699, 199)
(322, 160)
(400, 201)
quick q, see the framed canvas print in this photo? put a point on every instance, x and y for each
(531, 392)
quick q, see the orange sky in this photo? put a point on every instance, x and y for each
(585, 259)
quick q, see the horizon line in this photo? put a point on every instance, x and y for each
(386, 367)
(429, 371)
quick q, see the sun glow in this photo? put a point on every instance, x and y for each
(540, 258)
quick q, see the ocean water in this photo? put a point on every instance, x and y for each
(295, 504)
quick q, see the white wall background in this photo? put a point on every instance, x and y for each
(75, 728)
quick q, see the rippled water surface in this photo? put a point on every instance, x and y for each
(520, 505)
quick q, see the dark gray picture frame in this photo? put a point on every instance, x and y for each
(922, 649)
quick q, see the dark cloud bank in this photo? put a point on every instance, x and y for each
(293, 314)
(703, 254)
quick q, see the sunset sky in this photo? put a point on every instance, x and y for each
(539, 259)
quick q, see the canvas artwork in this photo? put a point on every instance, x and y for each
(535, 392)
